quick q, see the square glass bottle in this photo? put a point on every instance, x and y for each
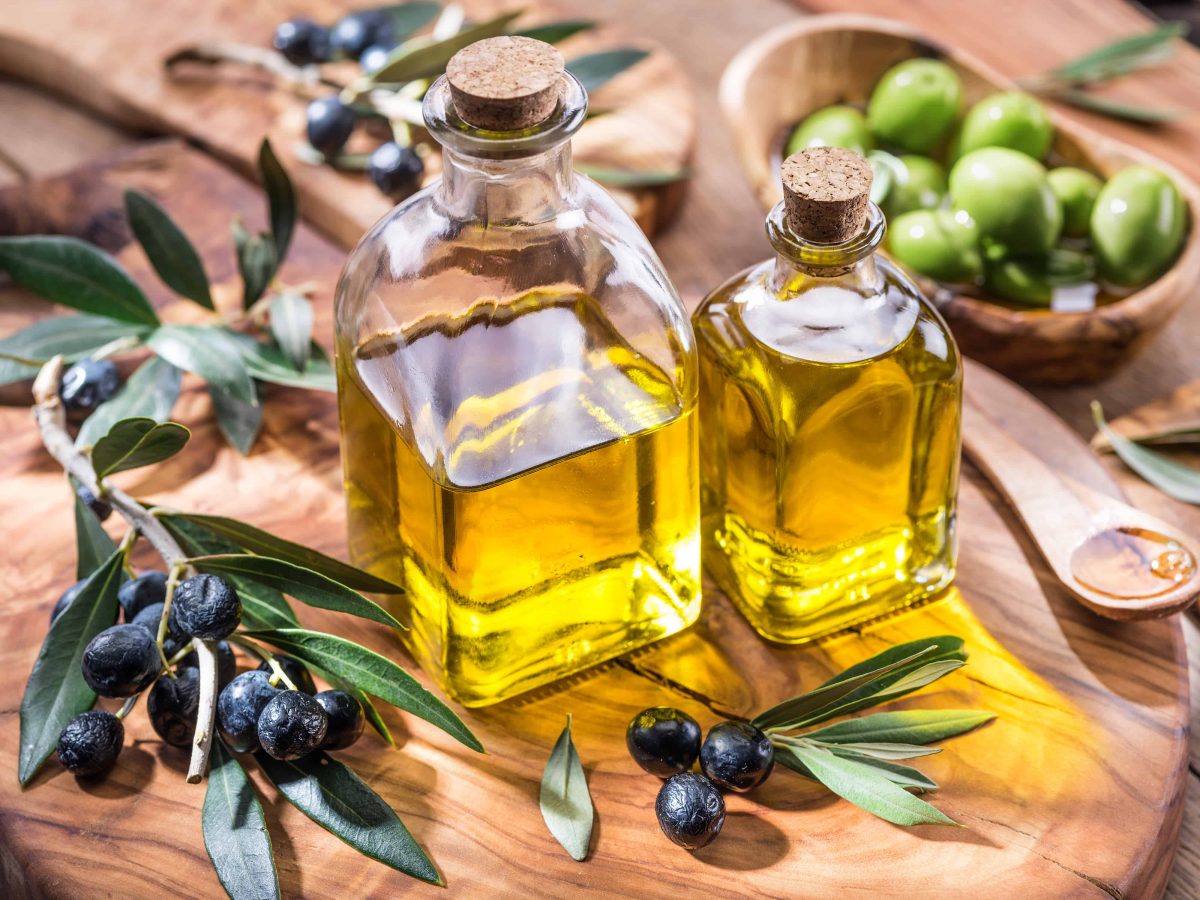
(517, 383)
(830, 402)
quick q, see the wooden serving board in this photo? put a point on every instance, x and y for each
(109, 56)
(1075, 789)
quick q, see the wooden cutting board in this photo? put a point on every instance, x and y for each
(109, 56)
(1075, 789)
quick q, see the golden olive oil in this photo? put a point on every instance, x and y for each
(538, 500)
(829, 447)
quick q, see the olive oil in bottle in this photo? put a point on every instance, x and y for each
(517, 384)
(830, 408)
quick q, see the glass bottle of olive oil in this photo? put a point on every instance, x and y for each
(830, 400)
(517, 383)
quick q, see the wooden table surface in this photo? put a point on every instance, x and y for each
(717, 232)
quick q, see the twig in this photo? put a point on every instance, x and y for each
(307, 81)
(52, 425)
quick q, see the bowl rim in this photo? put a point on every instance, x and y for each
(1149, 304)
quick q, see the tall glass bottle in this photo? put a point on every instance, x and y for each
(517, 381)
(831, 395)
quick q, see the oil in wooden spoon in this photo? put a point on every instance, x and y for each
(1132, 563)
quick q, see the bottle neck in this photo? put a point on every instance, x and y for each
(801, 264)
(525, 189)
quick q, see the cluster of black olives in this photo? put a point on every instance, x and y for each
(123, 661)
(368, 37)
(735, 756)
(88, 383)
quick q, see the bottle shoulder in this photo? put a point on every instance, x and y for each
(826, 324)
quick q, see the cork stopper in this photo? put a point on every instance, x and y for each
(505, 83)
(826, 192)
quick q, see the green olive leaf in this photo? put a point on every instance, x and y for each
(1121, 56)
(915, 726)
(69, 271)
(92, 543)
(1115, 109)
(407, 18)
(292, 328)
(554, 32)
(1172, 478)
(885, 751)
(596, 69)
(56, 692)
(266, 362)
(866, 788)
(150, 393)
(168, 249)
(262, 606)
(309, 587)
(905, 776)
(371, 673)
(72, 336)
(634, 178)
(239, 422)
(255, 540)
(257, 262)
(235, 831)
(211, 353)
(133, 443)
(281, 200)
(425, 60)
(564, 798)
(339, 801)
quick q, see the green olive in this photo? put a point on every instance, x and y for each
(1076, 190)
(938, 243)
(1007, 195)
(833, 126)
(918, 182)
(1008, 119)
(1138, 226)
(1034, 281)
(914, 104)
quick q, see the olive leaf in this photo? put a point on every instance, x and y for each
(371, 673)
(343, 804)
(69, 271)
(1172, 478)
(281, 201)
(1115, 109)
(885, 751)
(866, 788)
(92, 543)
(150, 393)
(56, 692)
(1122, 56)
(797, 709)
(133, 443)
(266, 362)
(255, 540)
(554, 32)
(596, 69)
(262, 606)
(168, 249)
(905, 776)
(564, 798)
(634, 178)
(407, 18)
(309, 587)
(73, 337)
(256, 260)
(916, 726)
(235, 831)
(292, 327)
(239, 422)
(410, 62)
(208, 352)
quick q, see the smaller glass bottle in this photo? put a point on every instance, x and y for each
(830, 402)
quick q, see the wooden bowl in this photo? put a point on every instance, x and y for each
(794, 70)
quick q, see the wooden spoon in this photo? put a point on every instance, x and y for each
(1116, 560)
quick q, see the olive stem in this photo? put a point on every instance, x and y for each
(51, 421)
(164, 620)
(127, 706)
(267, 657)
(305, 81)
(205, 712)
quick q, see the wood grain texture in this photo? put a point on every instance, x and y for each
(1088, 750)
(821, 60)
(96, 55)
